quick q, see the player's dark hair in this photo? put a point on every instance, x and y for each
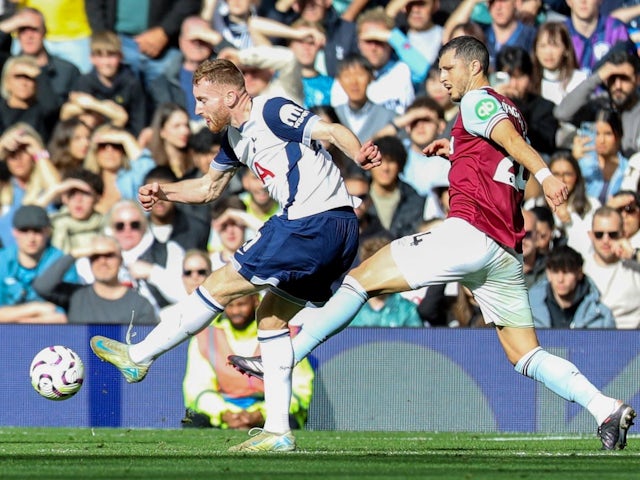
(468, 48)
(563, 258)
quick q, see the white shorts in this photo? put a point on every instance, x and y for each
(455, 251)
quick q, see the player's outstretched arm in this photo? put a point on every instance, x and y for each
(194, 190)
(366, 156)
(505, 134)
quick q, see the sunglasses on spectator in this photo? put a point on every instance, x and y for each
(106, 255)
(632, 208)
(120, 226)
(612, 235)
(115, 146)
(202, 272)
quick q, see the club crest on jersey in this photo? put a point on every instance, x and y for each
(485, 108)
(293, 115)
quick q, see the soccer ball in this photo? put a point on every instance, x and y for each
(56, 372)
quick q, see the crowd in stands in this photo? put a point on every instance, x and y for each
(96, 100)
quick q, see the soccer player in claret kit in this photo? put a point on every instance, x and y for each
(296, 255)
(478, 245)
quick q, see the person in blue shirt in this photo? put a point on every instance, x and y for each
(566, 297)
(22, 263)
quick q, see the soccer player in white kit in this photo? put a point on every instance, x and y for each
(296, 255)
(479, 244)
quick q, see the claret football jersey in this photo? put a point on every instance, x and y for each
(486, 184)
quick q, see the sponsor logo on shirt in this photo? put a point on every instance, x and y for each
(293, 115)
(485, 108)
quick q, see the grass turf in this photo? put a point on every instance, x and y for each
(33, 453)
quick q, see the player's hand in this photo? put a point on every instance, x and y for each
(555, 192)
(438, 147)
(149, 194)
(368, 156)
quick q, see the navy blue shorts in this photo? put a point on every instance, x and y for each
(301, 257)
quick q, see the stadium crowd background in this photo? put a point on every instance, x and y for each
(96, 100)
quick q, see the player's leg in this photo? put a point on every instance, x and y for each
(504, 301)
(177, 323)
(377, 274)
(277, 364)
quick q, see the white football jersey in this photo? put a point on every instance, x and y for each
(275, 143)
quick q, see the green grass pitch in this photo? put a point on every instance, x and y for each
(57, 453)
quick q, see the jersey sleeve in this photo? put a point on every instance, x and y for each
(226, 158)
(288, 120)
(480, 112)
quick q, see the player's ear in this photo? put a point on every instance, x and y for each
(231, 99)
(476, 67)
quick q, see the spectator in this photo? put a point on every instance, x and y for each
(69, 144)
(627, 203)
(397, 205)
(316, 86)
(421, 124)
(22, 263)
(504, 29)
(217, 395)
(59, 75)
(567, 298)
(537, 111)
(93, 112)
(112, 80)
(574, 217)
(116, 156)
(149, 32)
(196, 266)
(546, 235)
(256, 198)
(603, 165)
(358, 185)
(555, 68)
(420, 32)
(68, 31)
(385, 310)
(268, 70)
(174, 85)
(169, 138)
(77, 222)
(149, 266)
(555, 71)
(360, 115)
(31, 173)
(168, 222)
(341, 40)
(230, 221)
(106, 300)
(618, 281)
(437, 91)
(619, 74)
(232, 21)
(392, 86)
(24, 101)
(593, 34)
(533, 262)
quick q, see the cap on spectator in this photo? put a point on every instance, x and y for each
(31, 216)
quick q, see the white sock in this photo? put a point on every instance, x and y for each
(601, 407)
(277, 361)
(563, 377)
(318, 324)
(177, 323)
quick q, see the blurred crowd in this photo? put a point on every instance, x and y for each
(96, 100)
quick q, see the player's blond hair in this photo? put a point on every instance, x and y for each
(219, 72)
